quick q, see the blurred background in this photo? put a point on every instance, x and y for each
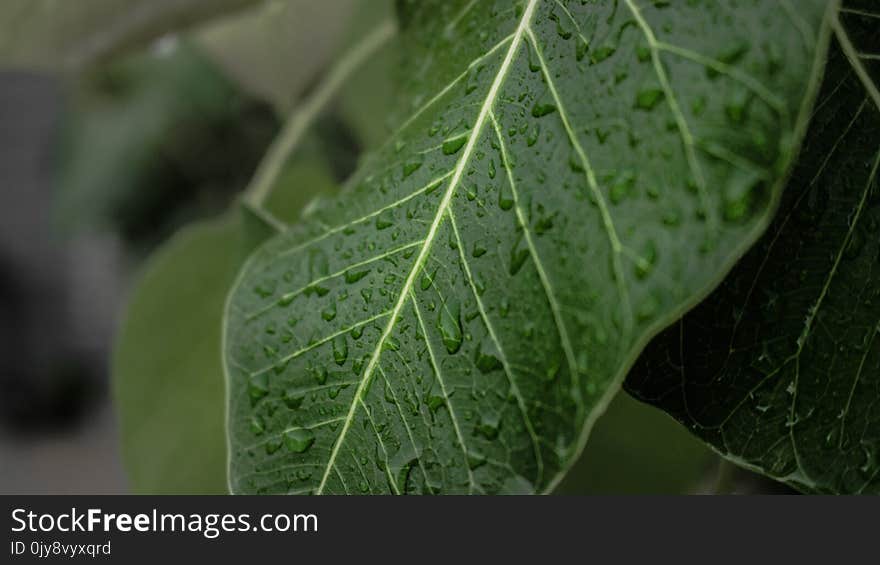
(121, 123)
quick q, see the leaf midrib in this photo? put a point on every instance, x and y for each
(403, 296)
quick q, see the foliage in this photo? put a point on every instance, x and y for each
(433, 329)
(550, 196)
(779, 369)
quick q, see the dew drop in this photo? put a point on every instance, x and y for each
(486, 358)
(648, 308)
(412, 166)
(449, 324)
(601, 53)
(532, 135)
(489, 426)
(622, 187)
(293, 398)
(433, 402)
(540, 109)
(453, 144)
(384, 220)
(354, 276)
(648, 98)
(505, 197)
(329, 313)
(340, 349)
(273, 445)
(475, 460)
(258, 386)
(299, 440)
(319, 374)
(646, 261)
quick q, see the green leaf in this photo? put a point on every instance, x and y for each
(779, 368)
(461, 315)
(49, 34)
(168, 385)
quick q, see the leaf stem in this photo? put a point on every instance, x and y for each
(304, 115)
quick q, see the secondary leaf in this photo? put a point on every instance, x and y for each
(167, 374)
(168, 378)
(277, 48)
(779, 369)
(569, 180)
(168, 388)
(148, 135)
(636, 449)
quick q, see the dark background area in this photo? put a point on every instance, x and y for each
(59, 297)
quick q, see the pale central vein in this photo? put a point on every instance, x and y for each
(432, 232)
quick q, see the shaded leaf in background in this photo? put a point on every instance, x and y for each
(167, 388)
(61, 35)
(779, 369)
(276, 49)
(151, 134)
(568, 183)
(194, 271)
(370, 110)
(636, 449)
(168, 378)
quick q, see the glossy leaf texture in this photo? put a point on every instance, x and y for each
(779, 369)
(571, 177)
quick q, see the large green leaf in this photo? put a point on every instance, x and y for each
(779, 369)
(568, 182)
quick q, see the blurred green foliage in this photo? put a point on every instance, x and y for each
(156, 138)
